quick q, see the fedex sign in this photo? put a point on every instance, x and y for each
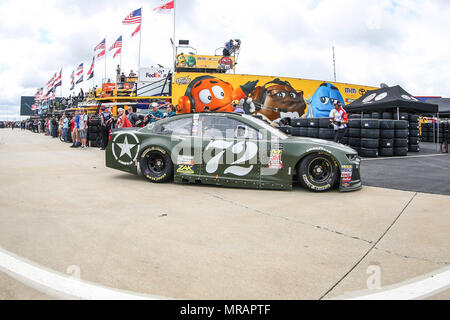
(153, 74)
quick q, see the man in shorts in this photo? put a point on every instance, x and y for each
(83, 129)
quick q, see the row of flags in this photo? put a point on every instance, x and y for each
(47, 93)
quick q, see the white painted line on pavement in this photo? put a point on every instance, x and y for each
(61, 286)
(415, 289)
(406, 157)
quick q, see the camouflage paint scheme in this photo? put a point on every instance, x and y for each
(140, 140)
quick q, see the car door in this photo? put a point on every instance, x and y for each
(182, 149)
(229, 151)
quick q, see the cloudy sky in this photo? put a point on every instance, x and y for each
(396, 42)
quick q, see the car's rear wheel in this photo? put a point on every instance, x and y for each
(318, 172)
(156, 165)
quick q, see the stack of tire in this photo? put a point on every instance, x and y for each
(387, 133)
(354, 134)
(313, 128)
(401, 134)
(94, 136)
(427, 132)
(370, 135)
(414, 132)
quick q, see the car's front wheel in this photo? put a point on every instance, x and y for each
(318, 172)
(156, 165)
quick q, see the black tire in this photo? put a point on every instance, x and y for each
(295, 131)
(303, 132)
(386, 143)
(313, 132)
(354, 116)
(324, 123)
(413, 148)
(93, 136)
(299, 122)
(318, 172)
(400, 143)
(326, 134)
(94, 122)
(354, 142)
(386, 115)
(376, 115)
(386, 152)
(413, 140)
(370, 133)
(401, 151)
(413, 126)
(354, 123)
(286, 129)
(370, 143)
(156, 165)
(401, 133)
(400, 124)
(94, 129)
(413, 118)
(403, 116)
(368, 153)
(367, 116)
(387, 124)
(414, 133)
(354, 132)
(313, 123)
(370, 124)
(345, 141)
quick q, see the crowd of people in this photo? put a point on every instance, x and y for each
(74, 128)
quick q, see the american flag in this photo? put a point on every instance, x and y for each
(80, 69)
(117, 52)
(137, 30)
(58, 81)
(101, 45)
(165, 8)
(134, 17)
(101, 53)
(117, 44)
(91, 69)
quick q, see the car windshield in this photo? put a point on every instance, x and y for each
(266, 126)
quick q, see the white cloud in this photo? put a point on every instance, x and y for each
(398, 42)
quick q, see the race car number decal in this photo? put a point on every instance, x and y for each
(236, 148)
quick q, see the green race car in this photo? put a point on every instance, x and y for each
(231, 149)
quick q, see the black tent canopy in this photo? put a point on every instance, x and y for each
(443, 103)
(386, 99)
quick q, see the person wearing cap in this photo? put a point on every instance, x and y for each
(339, 119)
(155, 114)
(105, 126)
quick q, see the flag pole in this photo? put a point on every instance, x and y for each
(174, 42)
(105, 61)
(140, 37)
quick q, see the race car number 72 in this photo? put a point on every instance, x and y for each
(250, 152)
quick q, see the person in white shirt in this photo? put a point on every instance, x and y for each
(339, 119)
(83, 128)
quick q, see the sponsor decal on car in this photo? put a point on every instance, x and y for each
(346, 175)
(187, 169)
(275, 161)
(186, 160)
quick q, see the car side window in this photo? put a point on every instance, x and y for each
(177, 127)
(224, 127)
